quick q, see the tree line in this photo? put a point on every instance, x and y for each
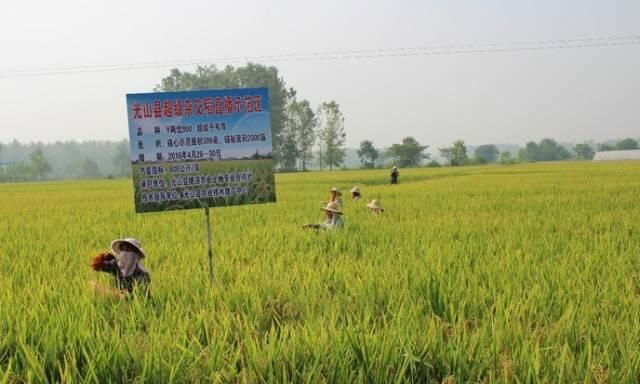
(303, 137)
(410, 153)
(64, 160)
(106, 159)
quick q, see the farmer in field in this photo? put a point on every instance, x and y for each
(355, 194)
(375, 206)
(126, 267)
(394, 175)
(336, 197)
(333, 218)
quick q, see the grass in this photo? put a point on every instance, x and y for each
(524, 273)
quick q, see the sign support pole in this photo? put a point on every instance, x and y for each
(210, 251)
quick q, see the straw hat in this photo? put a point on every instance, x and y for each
(117, 244)
(337, 191)
(333, 207)
(355, 190)
(394, 168)
(375, 204)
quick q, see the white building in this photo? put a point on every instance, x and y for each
(632, 154)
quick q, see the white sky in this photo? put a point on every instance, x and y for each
(510, 97)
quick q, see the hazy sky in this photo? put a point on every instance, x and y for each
(506, 97)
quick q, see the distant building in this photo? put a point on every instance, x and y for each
(632, 154)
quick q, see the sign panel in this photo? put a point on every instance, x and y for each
(195, 148)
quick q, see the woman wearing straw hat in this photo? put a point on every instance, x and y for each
(355, 194)
(125, 266)
(336, 197)
(333, 220)
(375, 206)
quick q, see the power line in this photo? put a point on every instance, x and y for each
(452, 49)
(326, 53)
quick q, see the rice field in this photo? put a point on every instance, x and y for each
(526, 273)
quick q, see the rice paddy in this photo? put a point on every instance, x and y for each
(524, 273)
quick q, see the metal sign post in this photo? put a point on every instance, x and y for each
(201, 149)
(206, 213)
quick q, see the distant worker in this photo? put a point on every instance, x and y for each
(333, 218)
(125, 266)
(394, 175)
(355, 194)
(336, 197)
(375, 206)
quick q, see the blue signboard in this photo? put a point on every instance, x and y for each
(196, 148)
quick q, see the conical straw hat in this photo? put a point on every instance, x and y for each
(375, 204)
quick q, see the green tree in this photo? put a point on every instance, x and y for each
(303, 123)
(289, 151)
(19, 171)
(331, 133)
(39, 164)
(459, 153)
(446, 153)
(505, 158)
(409, 153)
(90, 168)
(546, 150)
(477, 160)
(488, 152)
(529, 153)
(627, 144)
(549, 150)
(584, 152)
(606, 147)
(122, 158)
(251, 75)
(367, 154)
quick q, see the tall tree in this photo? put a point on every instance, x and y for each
(90, 168)
(19, 171)
(606, 147)
(459, 153)
(367, 154)
(488, 152)
(408, 154)
(530, 152)
(505, 157)
(583, 152)
(626, 144)
(303, 122)
(446, 153)
(251, 75)
(122, 158)
(289, 151)
(331, 133)
(546, 150)
(552, 151)
(39, 164)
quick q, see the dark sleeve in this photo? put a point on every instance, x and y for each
(144, 279)
(136, 283)
(110, 266)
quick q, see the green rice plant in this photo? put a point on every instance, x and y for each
(526, 273)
